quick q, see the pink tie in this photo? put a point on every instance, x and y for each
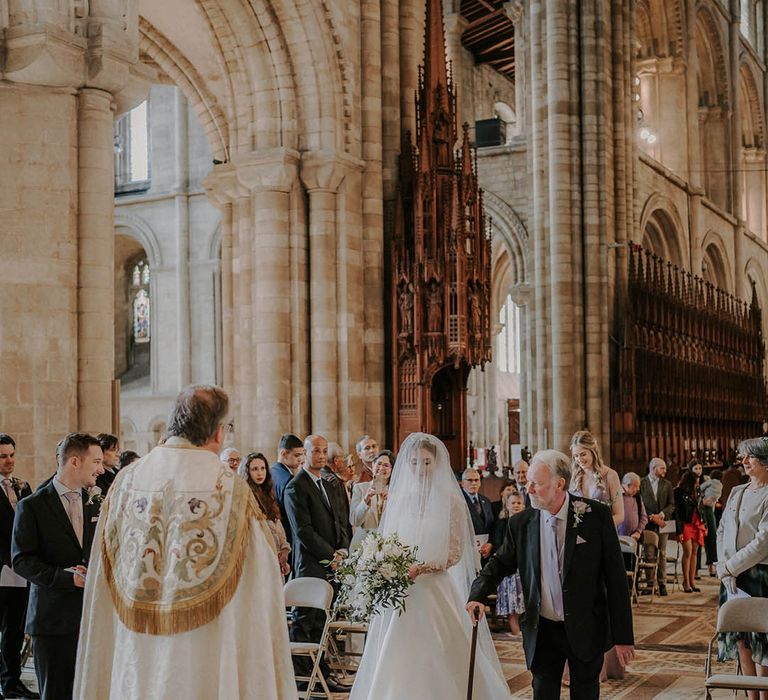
(75, 513)
(10, 492)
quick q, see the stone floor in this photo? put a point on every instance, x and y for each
(671, 635)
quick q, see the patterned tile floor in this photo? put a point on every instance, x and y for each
(671, 634)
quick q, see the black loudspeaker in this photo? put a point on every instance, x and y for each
(490, 132)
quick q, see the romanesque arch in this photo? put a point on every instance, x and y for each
(753, 156)
(662, 229)
(715, 262)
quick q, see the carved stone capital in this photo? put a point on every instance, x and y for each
(514, 11)
(268, 170)
(323, 171)
(222, 186)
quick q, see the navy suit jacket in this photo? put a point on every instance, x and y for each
(44, 544)
(281, 475)
(482, 522)
(596, 602)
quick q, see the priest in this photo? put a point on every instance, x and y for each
(183, 593)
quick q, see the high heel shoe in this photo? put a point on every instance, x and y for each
(687, 590)
(696, 590)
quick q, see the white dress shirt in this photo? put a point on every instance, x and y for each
(654, 485)
(552, 529)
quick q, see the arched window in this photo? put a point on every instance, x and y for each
(132, 151)
(508, 340)
(139, 293)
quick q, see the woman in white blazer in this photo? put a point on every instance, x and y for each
(742, 548)
(369, 498)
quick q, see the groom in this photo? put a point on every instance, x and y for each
(574, 584)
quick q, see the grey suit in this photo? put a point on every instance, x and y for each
(662, 502)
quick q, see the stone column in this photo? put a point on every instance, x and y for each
(321, 175)
(61, 74)
(183, 310)
(737, 177)
(96, 261)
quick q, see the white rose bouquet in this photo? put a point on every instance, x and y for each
(374, 577)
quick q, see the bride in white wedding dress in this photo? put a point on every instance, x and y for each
(424, 652)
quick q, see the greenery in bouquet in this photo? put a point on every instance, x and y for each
(375, 577)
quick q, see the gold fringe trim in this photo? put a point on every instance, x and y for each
(188, 615)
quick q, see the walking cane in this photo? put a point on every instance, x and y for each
(472, 654)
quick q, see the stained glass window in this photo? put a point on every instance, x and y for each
(139, 294)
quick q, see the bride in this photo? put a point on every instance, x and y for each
(426, 510)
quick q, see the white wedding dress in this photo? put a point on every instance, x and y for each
(424, 652)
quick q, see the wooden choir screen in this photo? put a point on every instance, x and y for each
(689, 379)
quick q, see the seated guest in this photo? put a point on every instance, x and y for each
(52, 536)
(507, 488)
(509, 596)
(710, 491)
(742, 546)
(690, 526)
(128, 457)
(480, 510)
(14, 590)
(369, 498)
(635, 517)
(110, 448)
(255, 470)
(230, 457)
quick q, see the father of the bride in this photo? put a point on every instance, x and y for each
(574, 583)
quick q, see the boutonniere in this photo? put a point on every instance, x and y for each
(579, 508)
(95, 496)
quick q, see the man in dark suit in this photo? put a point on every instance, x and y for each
(336, 487)
(480, 509)
(520, 473)
(110, 447)
(658, 498)
(13, 588)
(317, 538)
(290, 450)
(573, 613)
(52, 536)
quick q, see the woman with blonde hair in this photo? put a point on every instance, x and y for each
(592, 478)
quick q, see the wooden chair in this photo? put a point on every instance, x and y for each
(673, 578)
(737, 615)
(647, 565)
(629, 545)
(311, 593)
(346, 641)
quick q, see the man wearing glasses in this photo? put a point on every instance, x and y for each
(230, 457)
(481, 511)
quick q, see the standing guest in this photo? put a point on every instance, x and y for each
(156, 627)
(52, 536)
(520, 473)
(370, 498)
(319, 542)
(507, 488)
(110, 448)
(13, 588)
(367, 448)
(509, 596)
(635, 517)
(592, 478)
(742, 545)
(127, 457)
(480, 510)
(230, 457)
(573, 613)
(337, 488)
(710, 491)
(255, 470)
(690, 526)
(659, 501)
(290, 451)
(732, 477)
(342, 465)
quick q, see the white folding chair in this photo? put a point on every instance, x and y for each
(318, 594)
(673, 578)
(629, 546)
(647, 564)
(346, 641)
(737, 615)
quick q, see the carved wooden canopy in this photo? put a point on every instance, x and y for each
(441, 258)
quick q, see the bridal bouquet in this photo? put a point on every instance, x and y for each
(374, 577)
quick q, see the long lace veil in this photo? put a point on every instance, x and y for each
(426, 509)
